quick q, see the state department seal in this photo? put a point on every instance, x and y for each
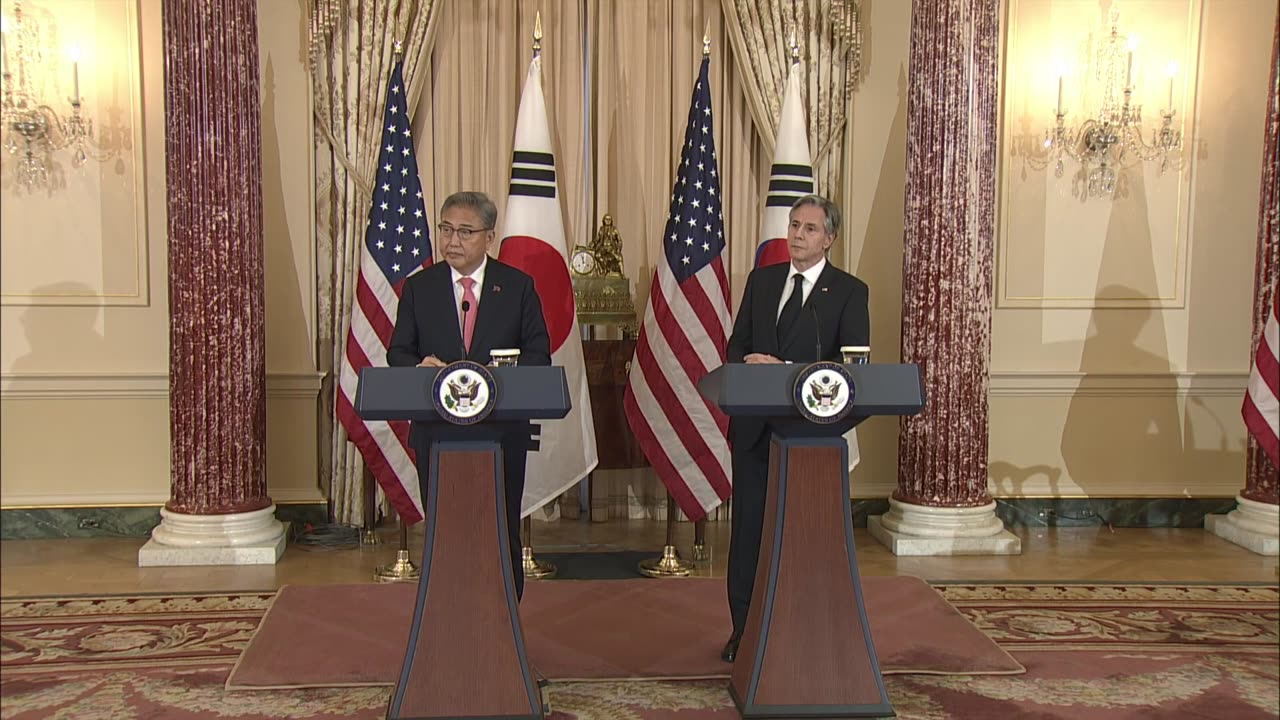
(464, 392)
(824, 392)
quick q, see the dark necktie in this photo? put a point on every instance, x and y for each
(791, 310)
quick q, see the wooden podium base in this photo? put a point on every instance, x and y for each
(466, 653)
(807, 651)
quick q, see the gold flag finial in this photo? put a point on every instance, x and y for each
(398, 48)
(795, 48)
(537, 33)
(706, 40)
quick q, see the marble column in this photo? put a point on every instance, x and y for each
(941, 505)
(219, 512)
(1255, 523)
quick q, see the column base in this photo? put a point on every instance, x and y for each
(922, 530)
(1252, 525)
(252, 538)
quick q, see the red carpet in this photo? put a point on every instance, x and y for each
(590, 630)
(1092, 652)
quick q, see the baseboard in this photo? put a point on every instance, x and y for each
(1086, 512)
(132, 522)
(135, 385)
(81, 522)
(1074, 383)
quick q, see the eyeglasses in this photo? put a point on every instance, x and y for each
(464, 233)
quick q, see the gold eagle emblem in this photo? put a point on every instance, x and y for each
(825, 391)
(464, 391)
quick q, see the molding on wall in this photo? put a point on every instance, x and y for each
(306, 385)
(131, 58)
(280, 496)
(110, 386)
(1175, 206)
(1076, 384)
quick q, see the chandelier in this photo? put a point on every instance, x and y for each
(33, 129)
(1112, 137)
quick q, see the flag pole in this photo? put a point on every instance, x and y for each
(534, 569)
(700, 552)
(670, 564)
(369, 501)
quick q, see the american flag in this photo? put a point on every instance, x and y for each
(1261, 408)
(686, 330)
(397, 243)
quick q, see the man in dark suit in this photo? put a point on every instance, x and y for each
(464, 308)
(787, 313)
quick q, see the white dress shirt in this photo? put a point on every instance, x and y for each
(810, 280)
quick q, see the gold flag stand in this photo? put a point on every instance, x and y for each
(534, 569)
(670, 564)
(700, 552)
(403, 569)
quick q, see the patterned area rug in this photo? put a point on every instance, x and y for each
(1091, 651)
(586, 630)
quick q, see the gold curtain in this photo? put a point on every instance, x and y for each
(618, 77)
(761, 33)
(465, 121)
(351, 53)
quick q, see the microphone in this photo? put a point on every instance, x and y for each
(466, 307)
(817, 332)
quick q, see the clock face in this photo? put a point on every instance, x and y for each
(583, 262)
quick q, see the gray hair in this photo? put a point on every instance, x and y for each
(832, 212)
(477, 201)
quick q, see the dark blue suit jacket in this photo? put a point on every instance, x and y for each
(509, 316)
(839, 302)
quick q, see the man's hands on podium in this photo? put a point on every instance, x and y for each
(757, 359)
(431, 361)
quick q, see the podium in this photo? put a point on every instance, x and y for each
(807, 651)
(465, 654)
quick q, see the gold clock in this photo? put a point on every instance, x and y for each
(583, 262)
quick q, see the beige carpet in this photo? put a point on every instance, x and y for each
(353, 635)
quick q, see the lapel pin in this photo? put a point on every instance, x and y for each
(825, 289)
(497, 288)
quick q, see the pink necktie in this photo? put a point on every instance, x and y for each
(469, 318)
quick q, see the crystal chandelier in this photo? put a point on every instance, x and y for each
(1113, 137)
(33, 130)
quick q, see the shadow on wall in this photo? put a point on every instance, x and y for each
(62, 336)
(1106, 435)
(1113, 433)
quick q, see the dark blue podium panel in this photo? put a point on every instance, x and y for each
(404, 393)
